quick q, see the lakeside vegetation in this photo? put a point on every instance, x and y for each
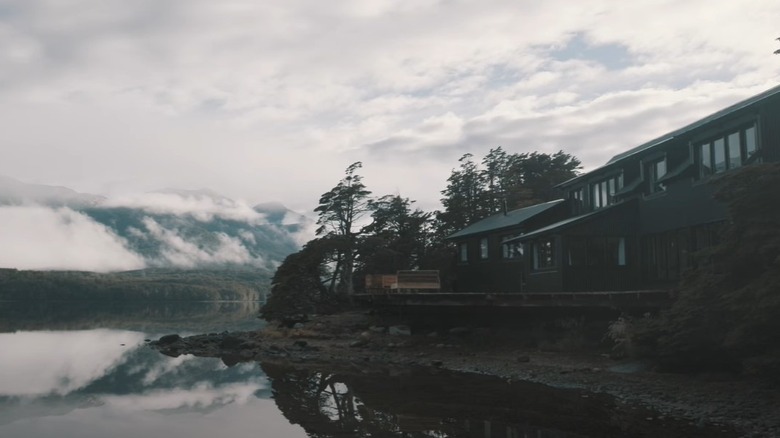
(360, 234)
(726, 315)
(148, 284)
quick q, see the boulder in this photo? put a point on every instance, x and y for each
(359, 343)
(399, 330)
(168, 339)
(459, 331)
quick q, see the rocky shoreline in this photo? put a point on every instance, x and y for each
(356, 341)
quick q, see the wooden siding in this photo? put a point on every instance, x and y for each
(495, 273)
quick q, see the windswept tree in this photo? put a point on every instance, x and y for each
(463, 196)
(299, 283)
(340, 211)
(726, 312)
(503, 181)
(532, 177)
(396, 238)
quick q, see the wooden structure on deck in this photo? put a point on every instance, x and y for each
(407, 281)
(417, 281)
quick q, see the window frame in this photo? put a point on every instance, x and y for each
(653, 176)
(484, 248)
(596, 252)
(512, 250)
(577, 197)
(543, 255)
(605, 188)
(747, 135)
(463, 252)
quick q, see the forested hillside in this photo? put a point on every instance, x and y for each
(154, 284)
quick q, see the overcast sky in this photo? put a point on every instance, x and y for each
(271, 100)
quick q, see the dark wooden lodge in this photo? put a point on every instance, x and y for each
(631, 224)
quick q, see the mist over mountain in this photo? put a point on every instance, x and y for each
(46, 227)
(13, 192)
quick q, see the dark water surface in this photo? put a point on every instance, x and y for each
(83, 370)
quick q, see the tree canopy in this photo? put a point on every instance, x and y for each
(359, 234)
(726, 313)
(503, 181)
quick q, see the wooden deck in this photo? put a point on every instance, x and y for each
(623, 300)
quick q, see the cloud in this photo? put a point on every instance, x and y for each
(36, 237)
(36, 363)
(202, 206)
(167, 228)
(184, 253)
(270, 101)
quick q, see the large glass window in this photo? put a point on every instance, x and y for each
(705, 160)
(735, 150)
(655, 170)
(578, 200)
(510, 250)
(596, 252)
(719, 155)
(463, 252)
(483, 248)
(751, 145)
(732, 150)
(544, 254)
(603, 192)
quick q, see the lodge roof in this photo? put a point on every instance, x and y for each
(681, 131)
(566, 223)
(504, 220)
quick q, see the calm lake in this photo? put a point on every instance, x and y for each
(84, 370)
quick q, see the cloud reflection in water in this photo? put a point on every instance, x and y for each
(87, 384)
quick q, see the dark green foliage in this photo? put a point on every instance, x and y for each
(301, 283)
(504, 181)
(152, 284)
(340, 211)
(397, 237)
(727, 312)
(328, 269)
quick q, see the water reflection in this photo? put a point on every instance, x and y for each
(420, 403)
(108, 383)
(145, 316)
(43, 363)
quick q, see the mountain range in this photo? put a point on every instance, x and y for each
(169, 228)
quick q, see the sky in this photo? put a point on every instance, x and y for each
(272, 100)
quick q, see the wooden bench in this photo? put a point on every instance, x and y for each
(416, 281)
(380, 283)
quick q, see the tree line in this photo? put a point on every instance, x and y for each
(144, 285)
(361, 234)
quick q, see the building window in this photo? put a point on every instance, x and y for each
(483, 248)
(596, 251)
(655, 170)
(729, 151)
(463, 252)
(510, 250)
(578, 200)
(544, 254)
(603, 192)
